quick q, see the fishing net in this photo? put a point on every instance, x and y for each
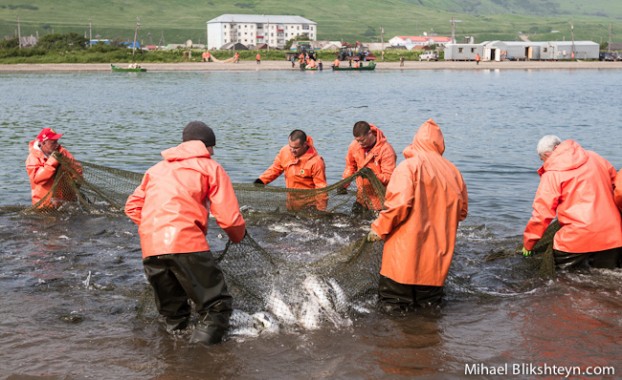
(313, 267)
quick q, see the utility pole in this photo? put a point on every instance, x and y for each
(453, 22)
(572, 53)
(382, 39)
(267, 34)
(609, 42)
(90, 32)
(19, 34)
(135, 36)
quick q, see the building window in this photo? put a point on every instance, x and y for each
(472, 50)
(225, 26)
(460, 50)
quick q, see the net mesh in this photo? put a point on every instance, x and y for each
(278, 284)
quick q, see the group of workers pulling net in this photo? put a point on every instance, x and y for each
(313, 266)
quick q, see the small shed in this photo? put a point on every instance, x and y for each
(463, 52)
(574, 50)
(233, 46)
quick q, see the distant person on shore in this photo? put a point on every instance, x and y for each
(42, 165)
(401, 61)
(320, 65)
(171, 207)
(236, 57)
(303, 168)
(425, 200)
(576, 186)
(206, 56)
(370, 149)
(477, 58)
(336, 62)
(258, 58)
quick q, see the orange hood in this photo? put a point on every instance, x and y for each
(568, 155)
(428, 138)
(186, 150)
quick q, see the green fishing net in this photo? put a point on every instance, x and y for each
(313, 265)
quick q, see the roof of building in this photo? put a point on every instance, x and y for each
(425, 38)
(265, 19)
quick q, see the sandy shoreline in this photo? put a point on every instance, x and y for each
(285, 65)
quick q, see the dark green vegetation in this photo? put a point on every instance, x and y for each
(175, 21)
(64, 27)
(73, 48)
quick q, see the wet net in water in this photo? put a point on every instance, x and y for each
(313, 267)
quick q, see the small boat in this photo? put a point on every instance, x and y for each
(370, 66)
(130, 69)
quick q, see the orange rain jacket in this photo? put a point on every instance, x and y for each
(425, 200)
(171, 204)
(577, 185)
(617, 191)
(380, 159)
(306, 172)
(41, 171)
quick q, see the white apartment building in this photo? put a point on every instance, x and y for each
(273, 30)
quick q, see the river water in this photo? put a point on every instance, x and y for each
(73, 289)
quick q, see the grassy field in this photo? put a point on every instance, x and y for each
(175, 21)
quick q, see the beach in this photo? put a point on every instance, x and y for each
(286, 65)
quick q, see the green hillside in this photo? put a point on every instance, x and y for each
(175, 21)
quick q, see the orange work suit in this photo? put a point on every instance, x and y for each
(305, 172)
(577, 186)
(172, 204)
(41, 172)
(425, 200)
(617, 191)
(380, 159)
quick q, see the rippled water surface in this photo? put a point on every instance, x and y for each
(75, 303)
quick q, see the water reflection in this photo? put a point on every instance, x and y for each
(57, 324)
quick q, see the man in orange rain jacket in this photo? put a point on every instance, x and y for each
(171, 208)
(425, 200)
(303, 167)
(42, 165)
(258, 58)
(576, 185)
(370, 149)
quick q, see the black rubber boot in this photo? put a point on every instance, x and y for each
(211, 328)
(176, 324)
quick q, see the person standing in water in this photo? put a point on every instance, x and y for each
(171, 207)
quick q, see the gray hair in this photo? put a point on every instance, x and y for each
(547, 144)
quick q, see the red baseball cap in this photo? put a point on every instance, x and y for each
(48, 134)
